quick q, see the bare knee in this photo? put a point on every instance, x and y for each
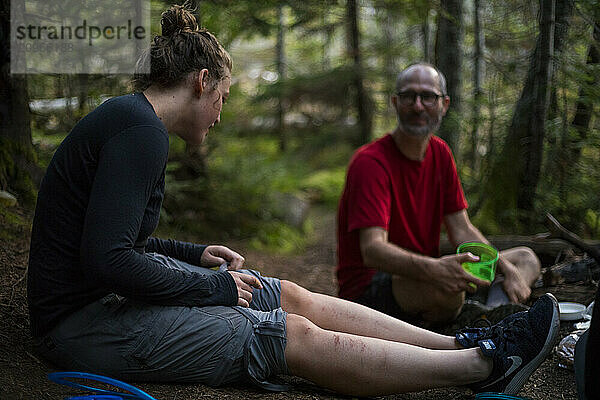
(294, 298)
(301, 334)
(519, 255)
(299, 327)
(532, 259)
(525, 260)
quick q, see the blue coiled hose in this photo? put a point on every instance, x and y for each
(62, 378)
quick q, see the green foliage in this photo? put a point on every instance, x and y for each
(238, 198)
(325, 186)
(570, 189)
(309, 89)
(321, 93)
(45, 145)
(278, 237)
(234, 19)
(14, 176)
(247, 188)
(592, 221)
(13, 225)
(59, 101)
(247, 173)
(567, 186)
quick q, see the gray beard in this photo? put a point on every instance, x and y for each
(431, 127)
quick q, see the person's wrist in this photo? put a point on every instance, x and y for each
(506, 268)
(431, 268)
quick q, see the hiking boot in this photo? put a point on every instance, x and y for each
(470, 336)
(519, 346)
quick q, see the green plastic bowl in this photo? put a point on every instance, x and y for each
(485, 268)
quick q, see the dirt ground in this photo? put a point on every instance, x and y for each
(23, 375)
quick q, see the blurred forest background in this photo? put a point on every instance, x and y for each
(311, 83)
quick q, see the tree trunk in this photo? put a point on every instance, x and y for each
(486, 163)
(559, 154)
(82, 97)
(18, 169)
(478, 65)
(14, 100)
(448, 54)
(387, 23)
(279, 48)
(492, 107)
(515, 174)
(564, 11)
(362, 100)
(562, 152)
(327, 37)
(14, 107)
(69, 119)
(584, 108)
(425, 29)
(387, 26)
(533, 149)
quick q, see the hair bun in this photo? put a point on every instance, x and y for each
(178, 19)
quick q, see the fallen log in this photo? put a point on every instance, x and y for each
(559, 232)
(539, 244)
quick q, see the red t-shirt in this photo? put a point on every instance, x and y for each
(405, 197)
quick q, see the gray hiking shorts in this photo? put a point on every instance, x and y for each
(213, 345)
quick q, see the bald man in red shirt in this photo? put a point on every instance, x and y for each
(399, 191)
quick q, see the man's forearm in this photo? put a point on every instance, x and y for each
(387, 257)
(469, 234)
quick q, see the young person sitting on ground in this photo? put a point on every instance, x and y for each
(106, 297)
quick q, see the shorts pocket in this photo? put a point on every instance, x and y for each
(265, 350)
(186, 344)
(150, 327)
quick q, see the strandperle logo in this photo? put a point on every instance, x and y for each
(83, 32)
(79, 36)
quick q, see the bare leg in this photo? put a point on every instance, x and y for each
(526, 261)
(436, 307)
(367, 366)
(340, 315)
(529, 267)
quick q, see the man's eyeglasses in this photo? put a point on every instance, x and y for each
(428, 99)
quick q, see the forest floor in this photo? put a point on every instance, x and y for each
(23, 374)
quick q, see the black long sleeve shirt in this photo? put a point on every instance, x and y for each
(97, 206)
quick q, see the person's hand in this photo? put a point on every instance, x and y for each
(448, 274)
(515, 287)
(245, 283)
(214, 256)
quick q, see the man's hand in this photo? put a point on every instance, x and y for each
(244, 284)
(515, 287)
(214, 256)
(448, 274)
